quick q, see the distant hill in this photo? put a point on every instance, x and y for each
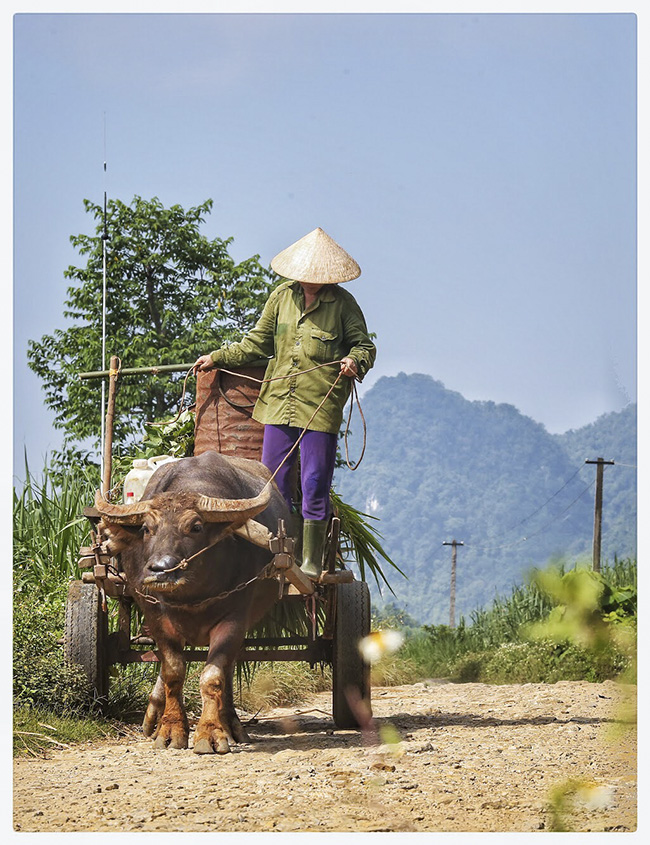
(439, 467)
(613, 437)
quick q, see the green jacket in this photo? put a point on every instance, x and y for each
(331, 329)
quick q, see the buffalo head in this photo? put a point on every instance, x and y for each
(156, 537)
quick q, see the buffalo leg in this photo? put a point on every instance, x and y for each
(219, 726)
(155, 708)
(170, 728)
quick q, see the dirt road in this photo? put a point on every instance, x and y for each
(455, 757)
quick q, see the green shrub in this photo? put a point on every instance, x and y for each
(41, 677)
(540, 662)
(468, 668)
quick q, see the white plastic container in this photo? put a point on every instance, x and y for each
(138, 476)
(136, 480)
(159, 460)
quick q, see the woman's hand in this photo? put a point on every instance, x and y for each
(203, 363)
(349, 367)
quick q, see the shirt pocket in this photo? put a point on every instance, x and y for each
(323, 345)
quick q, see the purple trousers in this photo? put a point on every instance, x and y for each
(317, 459)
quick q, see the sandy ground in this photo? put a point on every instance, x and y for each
(441, 757)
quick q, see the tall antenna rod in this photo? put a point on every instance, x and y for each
(104, 240)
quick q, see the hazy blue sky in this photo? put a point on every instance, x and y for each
(481, 168)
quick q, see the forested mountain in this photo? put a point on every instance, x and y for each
(613, 437)
(439, 467)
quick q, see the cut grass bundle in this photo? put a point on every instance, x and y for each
(361, 542)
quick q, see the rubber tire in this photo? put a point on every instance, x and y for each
(349, 670)
(85, 637)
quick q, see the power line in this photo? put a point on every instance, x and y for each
(534, 534)
(568, 507)
(526, 518)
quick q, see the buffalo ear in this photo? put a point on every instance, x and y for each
(119, 536)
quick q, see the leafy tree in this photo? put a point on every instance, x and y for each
(172, 295)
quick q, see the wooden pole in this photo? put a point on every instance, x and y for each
(598, 511)
(110, 413)
(130, 371)
(452, 589)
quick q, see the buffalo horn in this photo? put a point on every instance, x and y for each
(213, 509)
(122, 514)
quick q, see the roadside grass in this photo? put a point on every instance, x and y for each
(37, 730)
(394, 670)
(498, 646)
(48, 528)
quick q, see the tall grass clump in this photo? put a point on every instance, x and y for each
(49, 528)
(526, 637)
(539, 633)
(280, 684)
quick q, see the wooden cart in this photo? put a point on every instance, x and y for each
(337, 611)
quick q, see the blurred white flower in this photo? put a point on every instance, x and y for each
(380, 643)
(595, 797)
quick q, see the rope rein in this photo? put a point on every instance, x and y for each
(354, 398)
(266, 572)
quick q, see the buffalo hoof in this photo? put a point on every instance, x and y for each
(163, 742)
(171, 735)
(205, 746)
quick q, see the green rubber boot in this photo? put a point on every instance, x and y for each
(314, 533)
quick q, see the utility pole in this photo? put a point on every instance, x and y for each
(452, 590)
(598, 510)
(107, 464)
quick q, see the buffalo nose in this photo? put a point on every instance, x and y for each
(163, 564)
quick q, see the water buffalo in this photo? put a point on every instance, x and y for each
(180, 554)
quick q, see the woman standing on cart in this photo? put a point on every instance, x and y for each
(308, 320)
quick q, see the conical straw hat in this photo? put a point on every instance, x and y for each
(316, 259)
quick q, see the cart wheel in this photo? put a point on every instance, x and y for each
(351, 673)
(86, 636)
